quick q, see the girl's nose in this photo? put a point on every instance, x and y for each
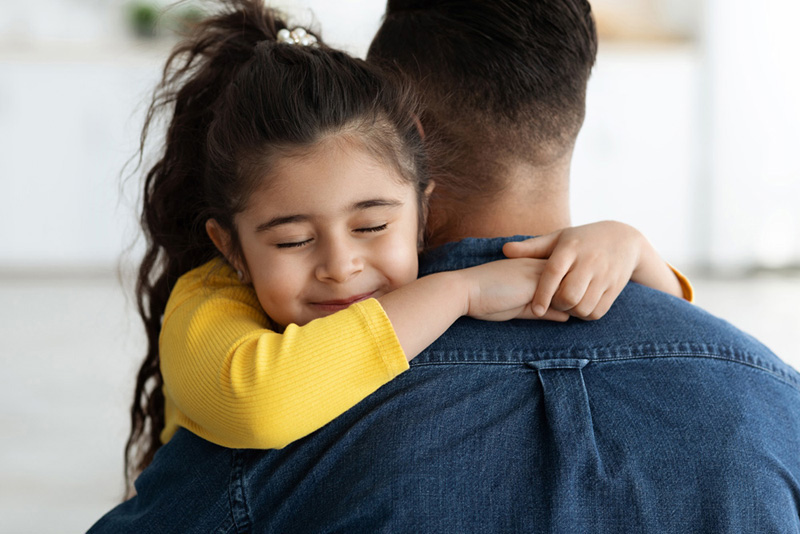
(339, 262)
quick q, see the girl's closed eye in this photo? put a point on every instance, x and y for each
(369, 229)
(294, 244)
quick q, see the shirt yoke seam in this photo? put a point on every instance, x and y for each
(775, 373)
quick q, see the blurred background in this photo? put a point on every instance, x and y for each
(691, 135)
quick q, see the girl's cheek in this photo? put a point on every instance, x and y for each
(401, 256)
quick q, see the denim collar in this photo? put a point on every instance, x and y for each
(468, 252)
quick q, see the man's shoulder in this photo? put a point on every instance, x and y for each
(642, 323)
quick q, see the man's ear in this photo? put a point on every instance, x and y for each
(222, 240)
(429, 189)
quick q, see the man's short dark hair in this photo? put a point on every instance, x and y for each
(501, 76)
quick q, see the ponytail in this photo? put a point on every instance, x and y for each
(195, 76)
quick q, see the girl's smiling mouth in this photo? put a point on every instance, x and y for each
(340, 304)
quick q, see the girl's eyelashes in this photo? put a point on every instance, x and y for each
(294, 244)
(378, 228)
(365, 230)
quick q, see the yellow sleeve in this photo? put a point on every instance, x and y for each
(686, 285)
(235, 383)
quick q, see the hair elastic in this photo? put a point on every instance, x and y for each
(297, 36)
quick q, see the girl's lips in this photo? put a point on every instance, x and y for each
(343, 303)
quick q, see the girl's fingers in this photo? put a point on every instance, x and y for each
(550, 315)
(536, 247)
(593, 308)
(587, 307)
(572, 289)
(555, 315)
(550, 280)
(609, 297)
(603, 305)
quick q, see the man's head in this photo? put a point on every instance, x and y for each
(503, 81)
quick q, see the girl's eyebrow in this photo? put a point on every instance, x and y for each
(358, 206)
(375, 203)
(278, 221)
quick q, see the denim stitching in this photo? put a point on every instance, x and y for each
(743, 359)
(238, 503)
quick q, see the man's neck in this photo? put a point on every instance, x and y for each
(537, 203)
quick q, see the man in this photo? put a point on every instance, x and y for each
(657, 418)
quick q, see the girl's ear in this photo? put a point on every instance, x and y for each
(420, 129)
(222, 240)
(424, 219)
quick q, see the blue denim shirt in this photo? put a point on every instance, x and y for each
(657, 418)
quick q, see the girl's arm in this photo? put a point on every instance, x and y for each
(231, 380)
(236, 383)
(497, 291)
(589, 265)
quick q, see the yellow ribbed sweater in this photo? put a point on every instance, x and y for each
(233, 382)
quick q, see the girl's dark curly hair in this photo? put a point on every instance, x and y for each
(236, 100)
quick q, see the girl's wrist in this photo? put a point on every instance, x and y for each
(644, 257)
(653, 271)
(460, 287)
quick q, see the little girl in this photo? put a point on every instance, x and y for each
(284, 220)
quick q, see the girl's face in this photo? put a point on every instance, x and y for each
(330, 228)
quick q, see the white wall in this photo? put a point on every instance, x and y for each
(635, 160)
(752, 89)
(692, 144)
(67, 127)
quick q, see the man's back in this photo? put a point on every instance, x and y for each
(657, 418)
(546, 427)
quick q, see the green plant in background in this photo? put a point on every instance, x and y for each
(143, 18)
(148, 19)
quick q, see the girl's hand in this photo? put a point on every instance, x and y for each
(503, 290)
(589, 265)
(422, 310)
